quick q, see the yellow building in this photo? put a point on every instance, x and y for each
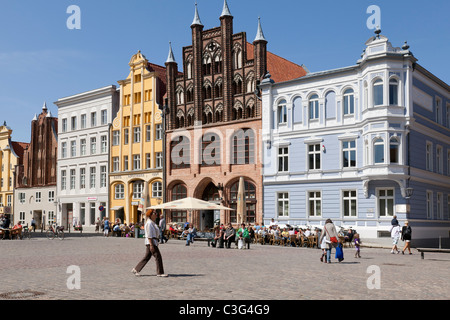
(136, 157)
(11, 153)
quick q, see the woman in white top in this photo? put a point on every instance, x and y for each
(151, 244)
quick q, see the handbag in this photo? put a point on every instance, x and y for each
(332, 239)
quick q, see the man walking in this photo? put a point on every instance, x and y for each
(162, 228)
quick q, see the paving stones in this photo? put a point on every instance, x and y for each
(38, 270)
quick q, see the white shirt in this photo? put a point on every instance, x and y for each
(396, 232)
(151, 231)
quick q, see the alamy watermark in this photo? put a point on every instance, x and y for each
(74, 20)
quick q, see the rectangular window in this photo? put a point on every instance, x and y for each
(102, 176)
(440, 205)
(283, 204)
(83, 121)
(51, 217)
(438, 110)
(51, 196)
(349, 201)
(22, 217)
(148, 160)
(104, 117)
(92, 177)
(148, 95)
(126, 134)
(63, 180)
(83, 147)
(82, 178)
(429, 204)
(148, 133)
(115, 162)
(137, 97)
(116, 138)
(73, 123)
(315, 203)
(349, 154)
(157, 190)
(159, 132)
(136, 162)
(93, 145)
(439, 160)
(72, 179)
(93, 119)
(378, 93)
(21, 197)
(136, 134)
(283, 159)
(38, 196)
(73, 148)
(64, 150)
(386, 202)
(64, 125)
(429, 156)
(314, 156)
(125, 163)
(138, 187)
(119, 191)
(159, 160)
(104, 144)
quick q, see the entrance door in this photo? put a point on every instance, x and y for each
(37, 215)
(207, 219)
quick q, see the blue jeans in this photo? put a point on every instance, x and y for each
(328, 255)
(189, 238)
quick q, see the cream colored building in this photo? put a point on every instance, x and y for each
(136, 157)
(10, 156)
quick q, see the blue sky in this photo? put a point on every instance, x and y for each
(42, 60)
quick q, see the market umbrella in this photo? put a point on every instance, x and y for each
(189, 204)
(241, 207)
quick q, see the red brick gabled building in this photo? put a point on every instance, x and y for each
(213, 119)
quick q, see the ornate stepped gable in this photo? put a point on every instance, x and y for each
(221, 74)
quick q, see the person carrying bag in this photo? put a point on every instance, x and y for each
(330, 234)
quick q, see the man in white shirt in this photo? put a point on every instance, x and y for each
(396, 232)
(151, 244)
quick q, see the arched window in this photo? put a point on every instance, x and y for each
(189, 95)
(393, 92)
(188, 70)
(179, 192)
(180, 152)
(250, 83)
(377, 90)
(394, 150)
(210, 149)
(180, 96)
(349, 102)
(250, 201)
(378, 151)
(314, 107)
(119, 191)
(207, 91)
(237, 85)
(207, 65)
(243, 146)
(282, 112)
(218, 63)
(237, 58)
(218, 89)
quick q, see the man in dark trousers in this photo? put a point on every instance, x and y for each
(230, 235)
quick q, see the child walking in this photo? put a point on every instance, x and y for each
(323, 246)
(357, 242)
(340, 252)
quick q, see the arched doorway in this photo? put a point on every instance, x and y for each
(207, 217)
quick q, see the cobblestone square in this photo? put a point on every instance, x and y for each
(38, 269)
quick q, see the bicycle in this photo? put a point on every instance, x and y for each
(26, 233)
(55, 231)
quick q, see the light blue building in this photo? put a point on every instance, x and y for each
(358, 145)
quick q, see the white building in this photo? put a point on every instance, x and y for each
(83, 155)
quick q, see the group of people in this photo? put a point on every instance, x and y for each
(404, 233)
(118, 227)
(224, 236)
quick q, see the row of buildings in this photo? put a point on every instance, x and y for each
(357, 144)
